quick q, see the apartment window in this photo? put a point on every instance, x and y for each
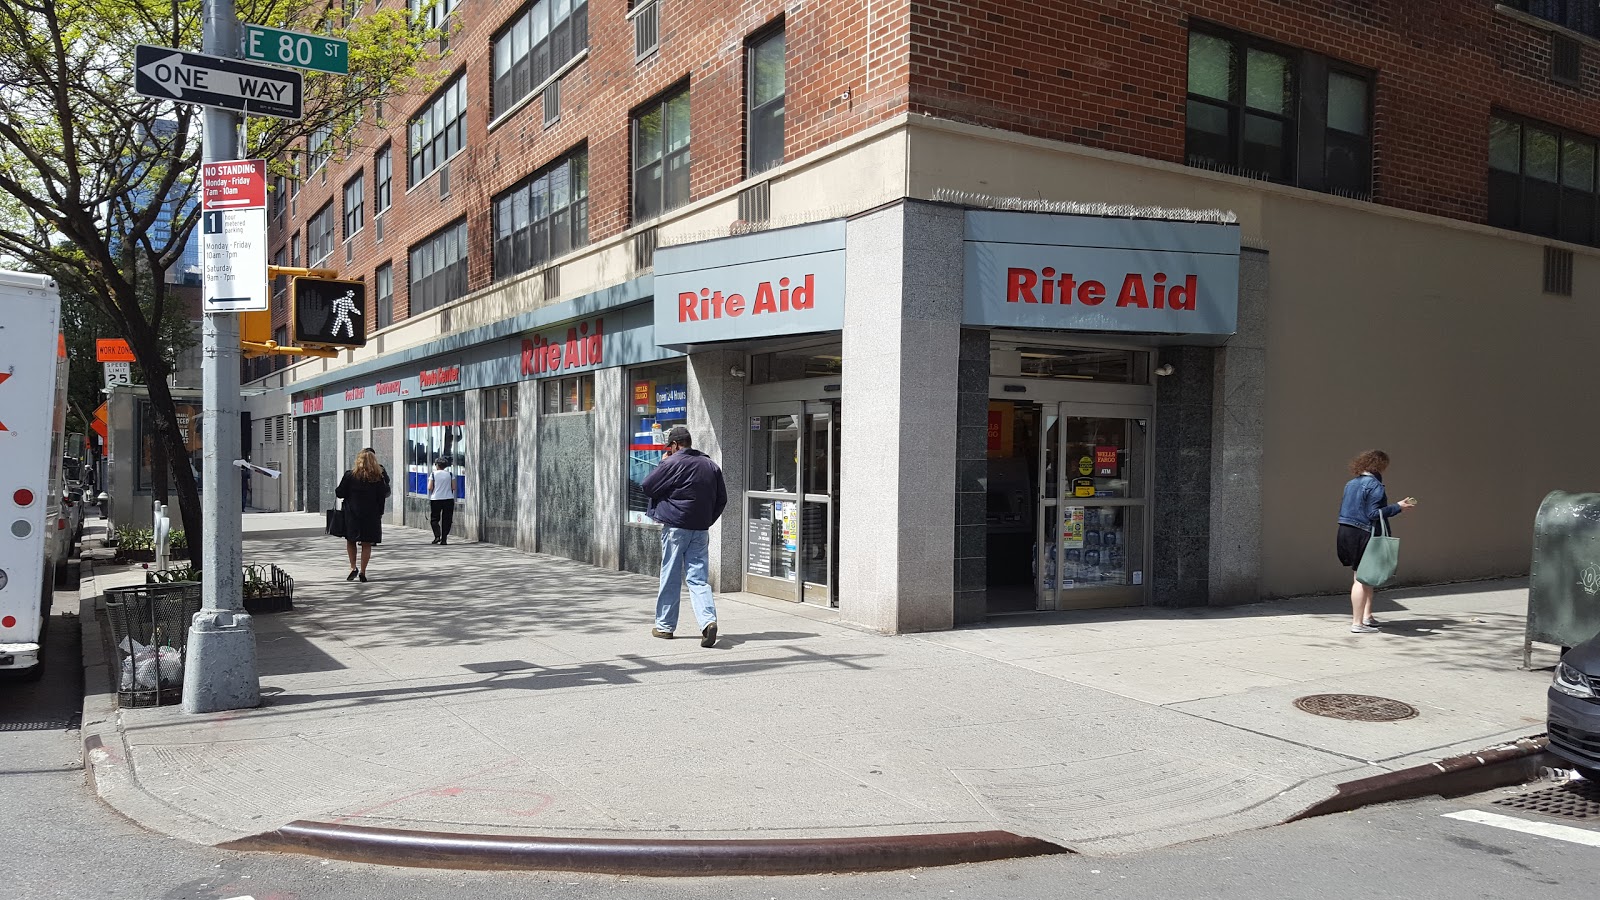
(383, 179)
(383, 288)
(294, 250)
(1347, 142)
(319, 148)
(437, 15)
(661, 156)
(355, 204)
(1267, 112)
(1542, 179)
(438, 131)
(765, 85)
(280, 192)
(319, 236)
(575, 393)
(280, 283)
(541, 39)
(281, 335)
(1241, 107)
(1582, 16)
(439, 268)
(543, 217)
(294, 178)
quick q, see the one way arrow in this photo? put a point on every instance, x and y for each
(174, 74)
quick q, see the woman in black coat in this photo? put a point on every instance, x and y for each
(363, 490)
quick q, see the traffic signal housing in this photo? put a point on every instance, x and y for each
(328, 312)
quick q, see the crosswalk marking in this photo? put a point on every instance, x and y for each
(1539, 829)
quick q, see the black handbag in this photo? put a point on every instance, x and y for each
(336, 522)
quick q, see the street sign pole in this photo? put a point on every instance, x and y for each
(220, 665)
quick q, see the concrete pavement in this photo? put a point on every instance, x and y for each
(473, 689)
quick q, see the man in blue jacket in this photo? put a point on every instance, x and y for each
(686, 496)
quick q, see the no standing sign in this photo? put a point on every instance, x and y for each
(233, 235)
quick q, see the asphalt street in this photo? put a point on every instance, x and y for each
(58, 841)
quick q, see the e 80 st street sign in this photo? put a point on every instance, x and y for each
(292, 48)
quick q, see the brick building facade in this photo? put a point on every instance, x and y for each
(1414, 164)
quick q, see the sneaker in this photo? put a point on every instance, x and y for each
(1363, 629)
(661, 634)
(709, 636)
(1373, 622)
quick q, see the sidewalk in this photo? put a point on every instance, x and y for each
(473, 689)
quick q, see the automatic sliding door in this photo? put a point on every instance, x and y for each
(789, 497)
(1103, 522)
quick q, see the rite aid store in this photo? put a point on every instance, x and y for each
(926, 414)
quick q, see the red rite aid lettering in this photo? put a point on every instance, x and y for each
(311, 405)
(542, 355)
(1047, 286)
(709, 304)
(444, 375)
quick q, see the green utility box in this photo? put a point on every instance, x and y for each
(1564, 582)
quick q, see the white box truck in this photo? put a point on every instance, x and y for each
(34, 539)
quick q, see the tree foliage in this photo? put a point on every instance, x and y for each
(88, 167)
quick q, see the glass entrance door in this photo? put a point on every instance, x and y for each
(1094, 507)
(791, 501)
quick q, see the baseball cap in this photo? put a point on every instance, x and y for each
(678, 435)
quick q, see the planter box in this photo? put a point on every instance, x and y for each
(267, 589)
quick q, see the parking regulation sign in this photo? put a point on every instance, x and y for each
(233, 235)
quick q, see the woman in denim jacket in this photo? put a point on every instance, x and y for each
(1364, 501)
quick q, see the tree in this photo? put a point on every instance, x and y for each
(98, 184)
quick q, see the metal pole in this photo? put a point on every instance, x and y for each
(220, 664)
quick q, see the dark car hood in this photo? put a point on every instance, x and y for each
(1585, 657)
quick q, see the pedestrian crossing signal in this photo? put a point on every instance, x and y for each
(328, 312)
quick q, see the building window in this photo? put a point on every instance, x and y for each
(1542, 180)
(439, 268)
(383, 415)
(1241, 108)
(661, 157)
(319, 148)
(355, 204)
(435, 17)
(383, 288)
(438, 131)
(543, 217)
(575, 393)
(294, 250)
(765, 85)
(1347, 142)
(545, 36)
(280, 193)
(1582, 16)
(659, 399)
(1266, 112)
(383, 179)
(435, 430)
(319, 236)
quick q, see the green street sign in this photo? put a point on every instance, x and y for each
(291, 48)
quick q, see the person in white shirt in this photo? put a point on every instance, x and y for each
(441, 501)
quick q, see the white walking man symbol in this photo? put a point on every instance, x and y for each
(344, 308)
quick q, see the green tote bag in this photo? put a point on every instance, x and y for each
(1382, 557)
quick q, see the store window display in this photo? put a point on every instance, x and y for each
(658, 400)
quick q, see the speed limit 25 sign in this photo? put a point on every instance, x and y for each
(292, 48)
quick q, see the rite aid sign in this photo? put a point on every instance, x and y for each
(1029, 270)
(787, 281)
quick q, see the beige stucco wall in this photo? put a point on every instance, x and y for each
(1429, 338)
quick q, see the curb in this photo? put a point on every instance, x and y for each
(1499, 766)
(653, 858)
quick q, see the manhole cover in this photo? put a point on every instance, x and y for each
(1356, 707)
(1573, 800)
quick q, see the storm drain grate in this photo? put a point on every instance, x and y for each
(1572, 800)
(1356, 707)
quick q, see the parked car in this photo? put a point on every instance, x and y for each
(1574, 721)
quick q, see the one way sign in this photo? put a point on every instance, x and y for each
(182, 77)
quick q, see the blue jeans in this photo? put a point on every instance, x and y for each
(684, 552)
